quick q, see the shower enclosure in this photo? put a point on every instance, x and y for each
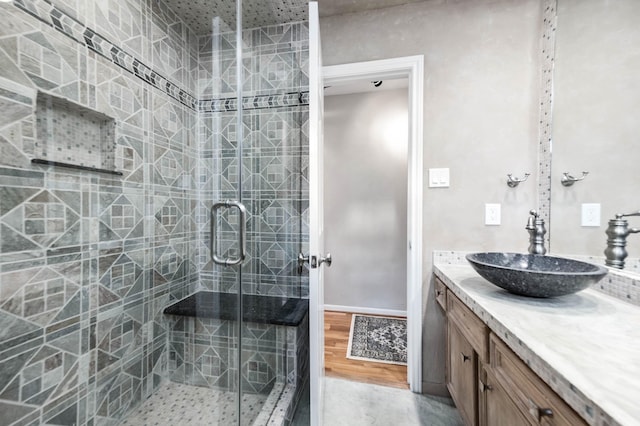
(153, 203)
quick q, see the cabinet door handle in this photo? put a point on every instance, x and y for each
(537, 412)
(465, 358)
(545, 412)
(485, 387)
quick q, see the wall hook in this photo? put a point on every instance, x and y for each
(568, 180)
(513, 182)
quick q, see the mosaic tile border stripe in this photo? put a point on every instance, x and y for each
(254, 102)
(49, 14)
(547, 57)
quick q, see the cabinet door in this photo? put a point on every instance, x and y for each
(462, 374)
(499, 409)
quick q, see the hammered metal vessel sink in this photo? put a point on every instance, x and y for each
(536, 275)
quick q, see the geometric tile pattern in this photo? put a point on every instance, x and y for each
(34, 219)
(67, 25)
(166, 52)
(203, 353)
(88, 262)
(275, 151)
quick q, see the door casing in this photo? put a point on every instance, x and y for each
(412, 68)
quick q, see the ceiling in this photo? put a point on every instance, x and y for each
(341, 7)
(363, 86)
(199, 14)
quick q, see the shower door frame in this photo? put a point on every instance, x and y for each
(412, 68)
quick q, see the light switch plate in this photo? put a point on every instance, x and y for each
(590, 214)
(492, 214)
(439, 178)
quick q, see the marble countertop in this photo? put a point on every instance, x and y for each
(585, 346)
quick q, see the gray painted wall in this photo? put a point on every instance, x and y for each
(481, 94)
(365, 201)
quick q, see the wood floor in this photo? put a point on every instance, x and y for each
(336, 363)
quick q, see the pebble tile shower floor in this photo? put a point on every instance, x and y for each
(177, 404)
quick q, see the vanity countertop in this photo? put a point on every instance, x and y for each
(585, 346)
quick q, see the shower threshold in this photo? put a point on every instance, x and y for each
(178, 404)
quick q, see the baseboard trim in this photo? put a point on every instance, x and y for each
(363, 310)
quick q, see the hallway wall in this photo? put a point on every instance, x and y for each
(366, 141)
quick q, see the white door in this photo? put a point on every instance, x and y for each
(316, 226)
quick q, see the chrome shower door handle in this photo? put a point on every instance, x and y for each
(242, 237)
(317, 262)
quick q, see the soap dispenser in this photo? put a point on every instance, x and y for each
(535, 226)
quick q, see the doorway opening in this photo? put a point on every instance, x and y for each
(411, 70)
(365, 215)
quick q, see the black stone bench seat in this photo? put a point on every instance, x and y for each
(259, 309)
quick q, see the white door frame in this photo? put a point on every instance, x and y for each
(316, 219)
(411, 67)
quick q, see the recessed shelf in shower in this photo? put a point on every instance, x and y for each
(73, 135)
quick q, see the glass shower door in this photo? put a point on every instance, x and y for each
(274, 189)
(254, 118)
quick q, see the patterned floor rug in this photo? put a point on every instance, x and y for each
(378, 339)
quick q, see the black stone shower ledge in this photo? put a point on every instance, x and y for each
(259, 309)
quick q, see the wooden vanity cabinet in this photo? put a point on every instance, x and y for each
(489, 383)
(467, 351)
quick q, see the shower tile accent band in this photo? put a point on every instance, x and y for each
(46, 12)
(255, 102)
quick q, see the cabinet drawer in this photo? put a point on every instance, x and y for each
(441, 294)
(473, 329)
(537, 401)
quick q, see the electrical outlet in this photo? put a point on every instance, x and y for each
(590, 214)
(492, 214)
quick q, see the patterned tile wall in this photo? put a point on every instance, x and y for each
(88, 262)
(275, 154)
(203, 352)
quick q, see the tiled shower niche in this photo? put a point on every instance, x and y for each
(73, 134)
